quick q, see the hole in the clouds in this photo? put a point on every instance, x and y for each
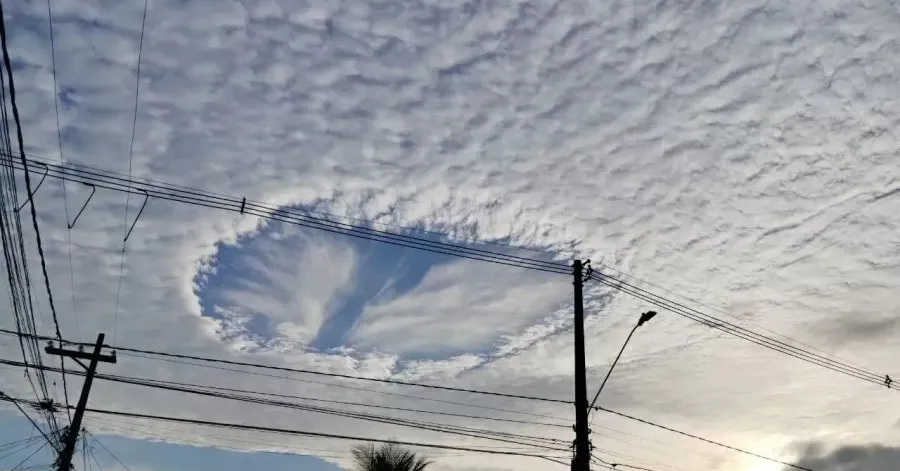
(291, 287)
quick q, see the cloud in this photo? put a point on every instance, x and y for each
(872, 457)
(718, 151)
(285, 281)
(458, 306)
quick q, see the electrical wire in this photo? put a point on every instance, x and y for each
(20, 446)
(65, 195)
(695, 437)
(337, 375)
(111, 181)
(121, 426)
(343, 386)
(16, 279)
(546, 443)
(119, 348)
(137, 94)
(744, 333)
(305, 433)
(362, 404)
(620, 414)
(33, 423)
(162, 191)
(19, 466)
(107, 450)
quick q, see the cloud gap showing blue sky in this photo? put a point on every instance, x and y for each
(284, 285)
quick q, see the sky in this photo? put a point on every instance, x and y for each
(741, 155)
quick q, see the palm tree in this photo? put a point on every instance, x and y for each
(387, 457)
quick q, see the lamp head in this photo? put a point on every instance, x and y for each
(645, 317)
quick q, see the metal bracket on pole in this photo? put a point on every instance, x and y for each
(588, 271)
(146, 197)
(243, 204)
(93, 190)
(43, 177)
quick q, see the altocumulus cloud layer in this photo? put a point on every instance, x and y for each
(741, 154)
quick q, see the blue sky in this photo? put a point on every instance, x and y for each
(742, 155)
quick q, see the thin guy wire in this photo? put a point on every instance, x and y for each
(97, 441)
(137, 93)
(65, 196)
(18, 466)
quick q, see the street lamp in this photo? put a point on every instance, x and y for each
(645, 317)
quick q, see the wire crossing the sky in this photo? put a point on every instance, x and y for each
(152, 383)
(13, 242)
(112, 181)
(256, 428)
(744, 333)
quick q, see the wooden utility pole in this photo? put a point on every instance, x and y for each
(582, 459)
(64, 460)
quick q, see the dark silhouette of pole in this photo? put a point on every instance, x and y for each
(581, 461)
(644, 318)
(64, 460)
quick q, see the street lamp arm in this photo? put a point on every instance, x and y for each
(608, 373)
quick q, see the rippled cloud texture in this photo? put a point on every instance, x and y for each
(742, 154)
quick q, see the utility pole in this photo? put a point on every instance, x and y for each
(64, 460)
(582, 459)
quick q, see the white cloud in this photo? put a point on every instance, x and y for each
(730, 152)
(294, 280)
(460, 305)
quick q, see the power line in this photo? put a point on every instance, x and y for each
(17, 447)
(121, 426)
(695, 437)
(362, 404)
(342, 386)
(256, 428)
(111, 181)
(553, 266)
(137, 93)
(30, 327)
(620, 414)
(65, 196)
(18, 466)
(3, 395)
(623, 274)
(744, 333)
(337, 375)
(110, 453)
(310, 372)
(436, 427)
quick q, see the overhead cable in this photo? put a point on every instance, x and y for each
(256, 428)
(112, 181)
(744, 333)
(695, 437)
